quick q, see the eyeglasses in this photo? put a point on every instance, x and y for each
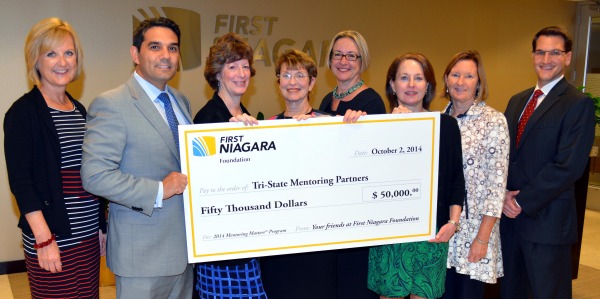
(288, 76)
(349, 56)
(554, 53)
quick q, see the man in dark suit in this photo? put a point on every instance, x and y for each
(131, 157)
(551, 134)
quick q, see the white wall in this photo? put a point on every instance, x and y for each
(500, 30)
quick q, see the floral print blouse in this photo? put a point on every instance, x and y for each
(485, 145)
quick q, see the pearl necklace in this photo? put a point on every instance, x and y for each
(340, 96)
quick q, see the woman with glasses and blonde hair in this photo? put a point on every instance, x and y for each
(348, 59)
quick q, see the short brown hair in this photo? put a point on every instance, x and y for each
(228, 48)
(554, 31)
(44, 36)
(295, 60)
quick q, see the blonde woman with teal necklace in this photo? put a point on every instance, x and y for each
(346, 269)
(348, 59)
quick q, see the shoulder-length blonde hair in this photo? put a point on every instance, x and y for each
(44, 36)
(481, 92)
(361, 44)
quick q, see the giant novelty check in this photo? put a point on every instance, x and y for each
(287, 186)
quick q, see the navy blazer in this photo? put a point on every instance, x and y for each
(32, 153)
(553, 153)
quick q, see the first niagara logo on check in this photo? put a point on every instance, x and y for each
(204, 146)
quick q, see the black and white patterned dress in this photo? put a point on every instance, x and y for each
(485, 149)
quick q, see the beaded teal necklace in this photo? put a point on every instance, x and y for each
(339, 96)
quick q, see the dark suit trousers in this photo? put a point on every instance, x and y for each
(543, 270)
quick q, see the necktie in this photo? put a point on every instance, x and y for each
(527, 113)
(171, 118)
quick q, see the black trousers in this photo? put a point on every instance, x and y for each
(541, 271)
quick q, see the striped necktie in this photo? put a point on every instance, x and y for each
(171, 118)
(527, 114)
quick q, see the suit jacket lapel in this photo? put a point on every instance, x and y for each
(147, 108)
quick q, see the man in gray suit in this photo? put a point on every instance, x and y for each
(551, 134)
(131, 157)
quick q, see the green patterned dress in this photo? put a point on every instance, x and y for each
(419, 268)
(398, 270)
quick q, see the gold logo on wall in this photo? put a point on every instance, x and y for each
(189, 25)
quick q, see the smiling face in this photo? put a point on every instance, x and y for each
(57, 67)
(410, 85)
(462, 81)
(158, 56)
(549, 67)
(234, 79)
(294, 89)
(344, 70)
